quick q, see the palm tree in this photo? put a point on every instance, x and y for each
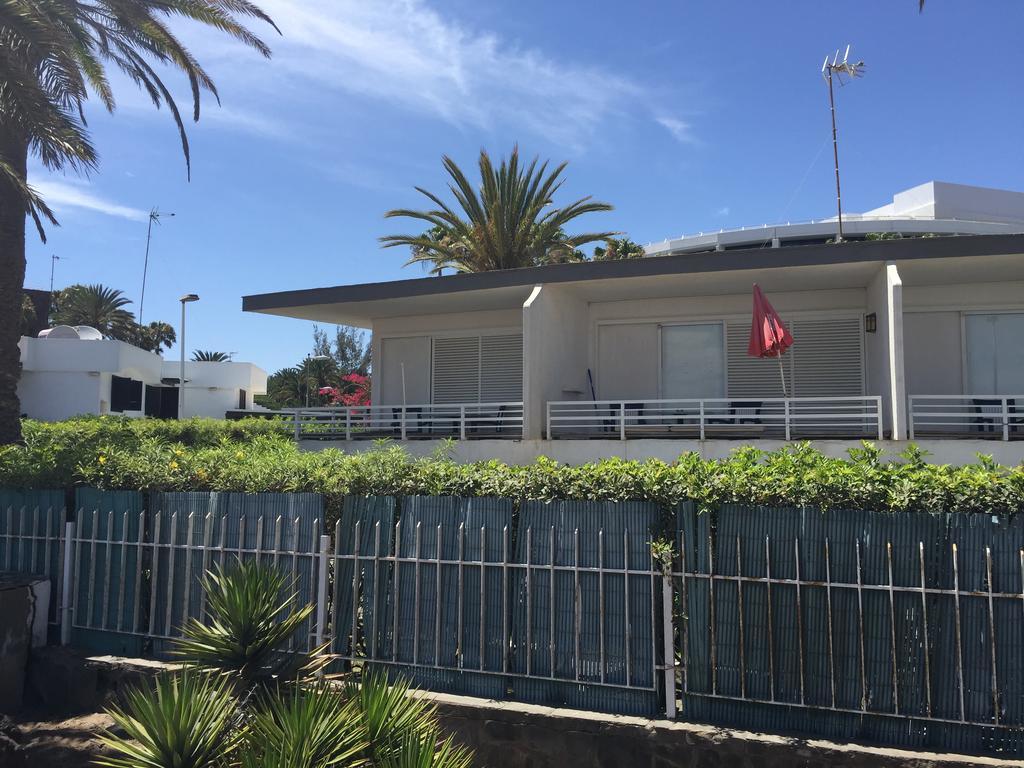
(616, 248)
(508, 222)
(97, 305)
(207, 356)
(54, 54)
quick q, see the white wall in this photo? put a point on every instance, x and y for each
(56, 395)
(933, 350)
(554, 352)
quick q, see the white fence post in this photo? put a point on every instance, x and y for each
(910, 417)
(462, 422)
(298, 428)
(321, 589)
(668, 632)
(881, 426)
(403, 422)
(348, 423)
(622, 421)
(548, 432)
(66, 581)
(701, 419)
(785, 406)
(1006, 420)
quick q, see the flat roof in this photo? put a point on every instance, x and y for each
(511, 283)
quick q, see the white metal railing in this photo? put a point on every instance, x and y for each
(992, 417)
(773, 417)
(462, 421)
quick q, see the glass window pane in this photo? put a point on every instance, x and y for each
(1009, 334)
(981, 354)
(692, 361)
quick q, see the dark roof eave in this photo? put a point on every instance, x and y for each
(716, 261)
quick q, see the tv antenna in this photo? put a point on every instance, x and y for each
(154, 218)
(839, 69)
(54, 258)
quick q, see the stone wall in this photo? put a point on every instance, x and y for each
(506, 735)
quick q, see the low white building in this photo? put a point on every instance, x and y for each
(919, 338)
(65, 377)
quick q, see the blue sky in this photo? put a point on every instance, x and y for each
(685, 115)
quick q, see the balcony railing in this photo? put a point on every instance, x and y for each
(986, 417)
(461, 421)
(767, 417)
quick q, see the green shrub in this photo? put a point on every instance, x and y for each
(257, 457)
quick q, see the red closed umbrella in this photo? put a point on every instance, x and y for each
(769, 337)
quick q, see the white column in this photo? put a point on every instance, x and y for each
(533, 365)
(894, 341)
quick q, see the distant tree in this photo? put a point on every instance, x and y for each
(285, 389)
(207, 356)
(153, 337)
(97, 305)
(28, 316)
(350, 348)
(509, 221)
(616, 248)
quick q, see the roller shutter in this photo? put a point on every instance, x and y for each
(474, 369)
(826, 360)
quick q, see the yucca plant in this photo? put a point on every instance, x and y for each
(305, 727)
(427, 750)
(185, 720)
(252, 613)
(390, 715)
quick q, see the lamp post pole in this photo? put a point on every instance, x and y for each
(186, 299)
(309, 358)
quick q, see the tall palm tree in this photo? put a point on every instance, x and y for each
(208, 356)
(508, 222)
(97, 305)
(54, 54)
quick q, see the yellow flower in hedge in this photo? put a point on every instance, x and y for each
(174, 465)
(178, 452)
(239, 455)
(103, 460)
(201, 473)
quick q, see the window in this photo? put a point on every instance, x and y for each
(995, 354)
(125, 394)
(478, 369)
(692, 361)
(241, 399)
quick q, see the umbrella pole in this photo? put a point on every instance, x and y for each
(782, 375)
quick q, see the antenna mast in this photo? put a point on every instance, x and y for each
(851, 70)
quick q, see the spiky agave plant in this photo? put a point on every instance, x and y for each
(401, 729)
(185, 720)
(310, 727)
(252, 613)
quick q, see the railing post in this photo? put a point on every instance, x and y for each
(622, 421)
(669, 647)
(462, 422)
(348, 423)
(881, 426)
(321, 589)
(785, 408)
(66, 582)
(1006, 420)
(547, 434)
(403, 422)
(298, 431)
(910, 417)
(701, 419)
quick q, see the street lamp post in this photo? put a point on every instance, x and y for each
(308, 359)
(186, 299)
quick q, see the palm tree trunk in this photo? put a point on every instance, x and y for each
(14, 150)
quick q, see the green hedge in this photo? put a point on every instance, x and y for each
(256, 455)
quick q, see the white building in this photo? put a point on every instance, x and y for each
(65, 377)
(917, 338)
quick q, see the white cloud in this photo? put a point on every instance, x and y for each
(64, 195)
(723, 211)
(408, 55)
(681, 131)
